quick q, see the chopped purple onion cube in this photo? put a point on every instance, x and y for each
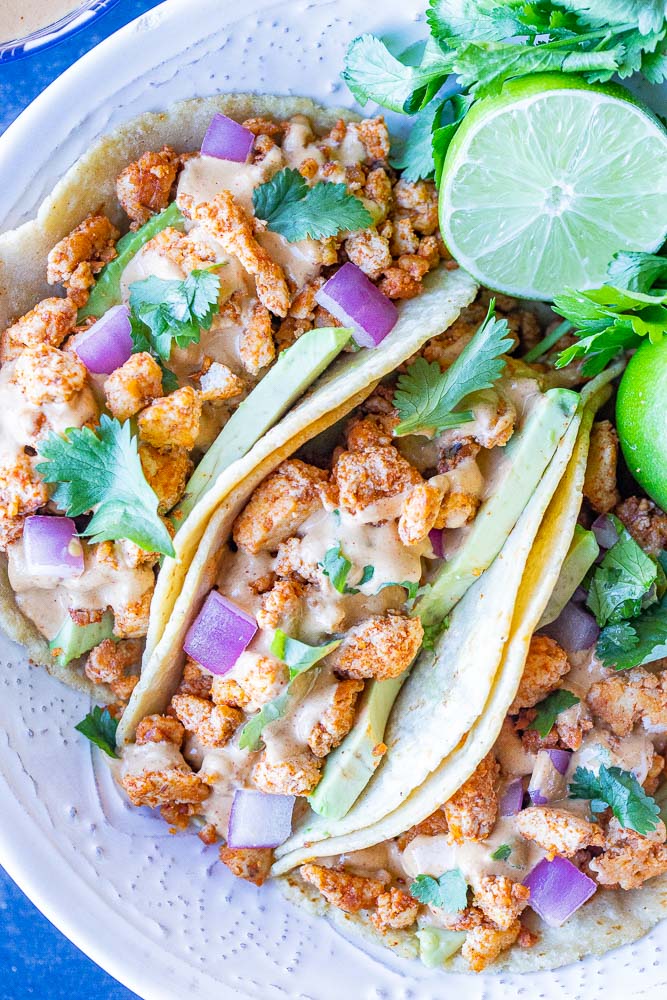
(259, 820)
(536, 797)
(436, 540)
(52, 547)
(511, 801)
(560, 759)
(605, 531)
(227, 140)
(107, 344)
(219, 634)
(355, 302)
(574, 629)
(557, 890)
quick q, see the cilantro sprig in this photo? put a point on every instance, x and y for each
(550, 708)
(620, 314)
(299, 657)
(628, 644)
(337, 567)
(501, 853)
(619, 790)
(99, 726)
(486, 42)
(449, 892)
(426, 398)
(622, 584)
(100, 471)
(292, 208)
(165, 312)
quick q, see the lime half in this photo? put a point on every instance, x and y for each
(641, 419)
(544, 183)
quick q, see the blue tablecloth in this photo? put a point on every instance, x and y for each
(36, 961)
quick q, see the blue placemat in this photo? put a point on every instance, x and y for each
(36, 960)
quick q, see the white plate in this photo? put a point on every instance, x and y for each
(158, 912)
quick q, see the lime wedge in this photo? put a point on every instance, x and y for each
(542, 184)
(641, 419)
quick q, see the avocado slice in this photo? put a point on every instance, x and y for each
(581, 555)
(295, 369)
(106, 290)
(349, 768)
(74, 640)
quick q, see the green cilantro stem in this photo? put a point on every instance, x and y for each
(545, 345)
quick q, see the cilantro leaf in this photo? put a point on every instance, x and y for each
(449, 892)
(426, 397)
(299, 656)
(100, 471)
(373, 74)
(628, 644)
(337, 567)
(620, 790)
(250, 736)
(456, 108)
(549, 708)
(621, 581)
(412, 587)
(164, 311)
(296, 211)
(414, 156)
(433, 632)
(456, 21)
(99, 726)
(637, 271)
(501, 853)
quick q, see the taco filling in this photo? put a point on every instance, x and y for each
(114, 392)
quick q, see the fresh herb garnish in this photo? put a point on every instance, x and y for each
(617, 316)
(412, 587)
(99, 726)
(629, 643)
(501, 853)
(100, 471)
(299, 656)
(486, 42)
(433, 632)
(250, 737)
(619, 790)
(166, 311)
(296, 211)
(426, 397)
(550, 708)
(449, 892)
(337, 567)
(622, 581)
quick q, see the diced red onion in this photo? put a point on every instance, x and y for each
(580, 596)
(259, 820)
(560, 759)
(219, 634)
(355, 301)
(557, 890)
(52, 547)
(605, 531)
(107, 344)
(547, 781)
(227, 140)
(574, 629)
(511, 801)
(435, 538)
(537, 798)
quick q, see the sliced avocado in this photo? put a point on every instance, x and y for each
(350, 767)
(436, 945)
(106, 291)
(528, 452)
(295, 369)
(73, 640)
(581, 555)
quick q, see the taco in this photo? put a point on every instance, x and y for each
(134, 393)
(316, 585)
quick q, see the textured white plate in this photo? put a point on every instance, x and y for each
(159, 912)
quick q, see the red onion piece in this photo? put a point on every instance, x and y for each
(547, 782)
(605, 531)
(52, 547)
(227, 140)
(219, 634)
(557, 890)
(259, 820)
(560, 759)
(107, 344)
(511, 802)
(435, 538)
(574, 629)
(355, 302)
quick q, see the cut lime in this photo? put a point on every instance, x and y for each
(641, 418)
(542, 184)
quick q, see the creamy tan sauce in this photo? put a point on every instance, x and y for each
(139, 759)
(19, 18)
(225, 769)
(46, 600)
